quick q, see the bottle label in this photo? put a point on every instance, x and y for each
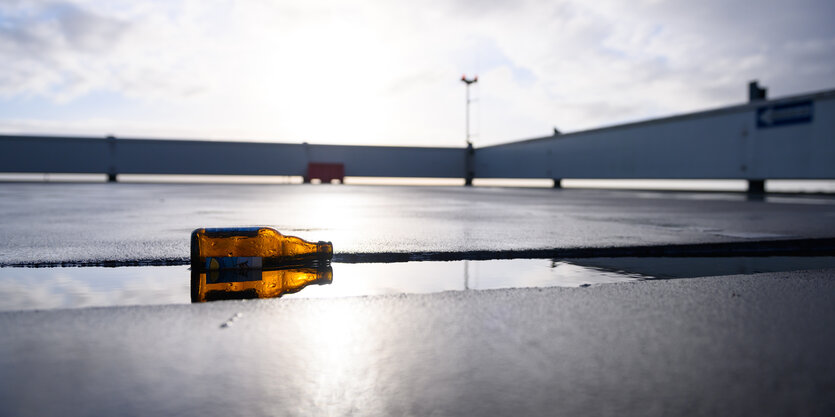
(234, 262)
(231, 231)
(233, 275)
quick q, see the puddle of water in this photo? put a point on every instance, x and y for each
(429, 277)
(749, 235)
(51, 288)
(669, 268)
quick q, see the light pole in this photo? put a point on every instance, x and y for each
(469, 173)
(468, 81)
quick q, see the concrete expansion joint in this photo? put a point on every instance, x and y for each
(784, 247)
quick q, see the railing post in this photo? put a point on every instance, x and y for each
(112, 173)
(756, 186)
(469, 173)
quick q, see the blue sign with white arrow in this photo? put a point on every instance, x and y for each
(785, 114)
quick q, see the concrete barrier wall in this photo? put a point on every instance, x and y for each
(791, 138)
(142, 156)
(44, 154)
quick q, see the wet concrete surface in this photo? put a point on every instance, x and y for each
(740, 345)
(735, 345)
(150, 223)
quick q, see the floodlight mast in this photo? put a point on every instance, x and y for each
(468, 81)
(469, 173)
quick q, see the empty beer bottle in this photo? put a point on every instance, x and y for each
(253, 248)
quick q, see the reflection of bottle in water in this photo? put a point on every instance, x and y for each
(253, 248)
(227, 284)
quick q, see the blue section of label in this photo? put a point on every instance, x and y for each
(233, 275)
(232, 229)
(234, 262)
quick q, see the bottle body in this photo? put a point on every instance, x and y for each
(253, 248)
(243, 284)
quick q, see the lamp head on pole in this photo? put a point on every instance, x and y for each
(470, 80)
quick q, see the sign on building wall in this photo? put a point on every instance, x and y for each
(785, 114)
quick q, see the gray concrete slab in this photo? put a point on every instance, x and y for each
(758, 345)
(83, 223)
(740, 345)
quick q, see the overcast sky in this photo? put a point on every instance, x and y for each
(387, 72)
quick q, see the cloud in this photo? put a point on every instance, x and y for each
(381, 72)
(52, 49)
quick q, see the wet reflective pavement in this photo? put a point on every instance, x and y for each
(149, 223)
(738, 345)
(555, 336)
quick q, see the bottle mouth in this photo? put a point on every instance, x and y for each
(324, 276)
(325, 249)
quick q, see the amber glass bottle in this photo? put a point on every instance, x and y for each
(253, 248)
(229, 284)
